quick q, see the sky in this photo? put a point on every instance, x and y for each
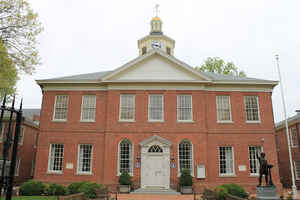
(92, 36)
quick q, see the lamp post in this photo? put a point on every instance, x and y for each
(294, 188)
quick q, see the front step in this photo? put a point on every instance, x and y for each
(154, 190)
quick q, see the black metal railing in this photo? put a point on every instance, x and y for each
(9, 160)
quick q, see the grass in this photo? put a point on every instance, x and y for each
(33, 198)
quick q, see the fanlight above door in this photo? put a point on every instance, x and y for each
(155, 149)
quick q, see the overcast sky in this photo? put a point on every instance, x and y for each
(91, 36)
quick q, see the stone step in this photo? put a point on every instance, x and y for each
(154, 190)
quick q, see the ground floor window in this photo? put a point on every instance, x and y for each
(297, 169)
(253, 160)
(226, 165)
(56, 157)
(125, 156)
(185, 155)
(85, 158)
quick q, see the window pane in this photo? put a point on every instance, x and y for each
(185, 156)
(85, 158)
(61, 107)
(88, 108)
(297, 169)
(223, 108)
(125, 156)
(251, 106)
(253, 160)
(293, 137)
(127, 107)
(226, 160)
(56, 157)
(184, 107)
(155, 107)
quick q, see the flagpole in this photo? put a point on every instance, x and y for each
(294, 188)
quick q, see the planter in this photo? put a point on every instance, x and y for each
(124, 188)
(186, 189)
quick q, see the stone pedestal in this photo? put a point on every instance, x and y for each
(266, 193)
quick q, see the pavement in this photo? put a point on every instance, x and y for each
(156, 197)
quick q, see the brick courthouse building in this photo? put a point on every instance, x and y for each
(152, 117)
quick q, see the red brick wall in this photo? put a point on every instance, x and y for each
(205, 134)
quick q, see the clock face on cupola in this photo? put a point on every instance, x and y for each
(156, 40)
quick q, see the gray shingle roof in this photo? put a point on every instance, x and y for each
(291, 120)
(30, 112)
(89, 76)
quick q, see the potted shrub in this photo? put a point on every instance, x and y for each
(125, 182)
(186, 182)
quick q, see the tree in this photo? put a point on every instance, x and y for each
(217, 65)
(19, 27)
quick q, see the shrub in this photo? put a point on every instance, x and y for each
(221, 192)
(125, 179)
(56, 189)
(90, 189)
(233, 189)
(32, 188)
(185, 178)
(73, 188)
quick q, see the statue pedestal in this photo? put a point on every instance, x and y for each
(266, 193)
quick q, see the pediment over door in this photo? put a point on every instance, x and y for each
(156, 140)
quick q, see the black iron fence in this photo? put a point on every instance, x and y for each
(8, 160)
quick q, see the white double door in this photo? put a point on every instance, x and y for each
(155, 170)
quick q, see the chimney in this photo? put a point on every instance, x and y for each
(36, 118)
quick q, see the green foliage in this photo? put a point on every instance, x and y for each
(54, 189)
(8, 74)
(32, 188)
(217, 65)
(73, 188)
(185, 178)
(19, 27)
(90, 189)
(233, 189)
(125, 179)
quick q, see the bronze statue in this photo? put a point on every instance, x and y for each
(263, 168)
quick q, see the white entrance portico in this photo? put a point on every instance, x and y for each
(155, 162)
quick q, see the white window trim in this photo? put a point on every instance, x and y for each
(49, 156)
(258, 111)
(295, 169)
(22, 132)
(262, 150)
(178, 162)
(163, 113)
(17, 167)
(127, 120)
(290, 132)
(91, 165)
(224, 121)
(53, 117)
(88, 120)
(190, 120)
(132, 159)
(231, 174)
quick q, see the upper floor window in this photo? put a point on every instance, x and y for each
(185, 156)
(61, 107)
(144, 50)
(21, 136)
(85, 155)
(2, 132)
(35, 140)
(297, 169)
(127, 107)
(56, 156)
(169, 50)
(294, 137)
(125, 156)
(252, 108)
(88, 108)
(155, 108)
(223, 109)
(226, 165)
(253, 160)
(184, 108)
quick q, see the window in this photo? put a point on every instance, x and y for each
(155, 108)
(253, 160)
(226, 161)
(223, 109)
(144, 50)
(125, 157)
(21, 136)
(127, 106)
(18, 161)
(88, 108)
(85, 155)
(252, 109)
(184, 108)
(293, 137)
(61, 107)
(155, 149)
(32, 167)
(35, 140)
(2, 132)
(56, 158)
(185, 156)
(297, 169)
(168, 50)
